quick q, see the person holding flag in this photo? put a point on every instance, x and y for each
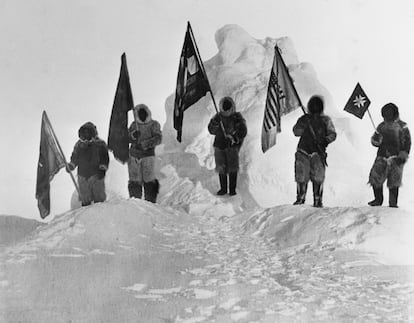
(90, 156)
(316, 131)
(229, 129)
(227, 125)
(144, 136)
(393, 140)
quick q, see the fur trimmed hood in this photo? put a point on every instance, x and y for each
(227, 106)
(139, 107)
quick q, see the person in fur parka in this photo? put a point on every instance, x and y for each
(227, 144)
(316, 131)
(144, 136)
(90, 155)
(393, 140)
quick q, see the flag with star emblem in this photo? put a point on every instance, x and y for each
(282, 97)
(358, 103)
(51, 160)
(192, 82)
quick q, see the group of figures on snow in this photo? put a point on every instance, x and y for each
(314, 129)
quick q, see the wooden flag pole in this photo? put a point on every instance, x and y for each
(205, 76)
(312, 131)
(123, 60)
(64, 158)
(372, 121)
(290, 79)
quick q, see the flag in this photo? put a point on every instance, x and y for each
(51, 160)
(192, 82)
(358, 103)
(118, 141)
(281, 98)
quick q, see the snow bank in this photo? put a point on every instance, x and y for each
(14, 228)
(102, 227)
(382, 231)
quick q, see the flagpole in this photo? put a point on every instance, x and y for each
(61, 151)
(123, 60)
(372, 121)
(205, 75)
(312, 131)
(290, 78)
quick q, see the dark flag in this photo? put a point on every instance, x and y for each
(358, 103)
(118, 127)
(51, 160)
(281, 97)
(192, 82)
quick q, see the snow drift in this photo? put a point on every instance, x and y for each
(14, 228)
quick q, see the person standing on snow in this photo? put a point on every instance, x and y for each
(144, 135)
(227, 144)
(316, 132)
(90, 155)
(393, 140)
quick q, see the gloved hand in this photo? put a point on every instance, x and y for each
(146, 144)
(135, 135)
(231, 139)
(401, 158)
(376, 139)
(70, 167)
(323, 143)
(102, 171)
(214, 125)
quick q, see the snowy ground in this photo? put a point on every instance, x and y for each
(208, 259)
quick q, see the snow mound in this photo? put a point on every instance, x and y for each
(14, 228)
(381, 231)
(102, 227)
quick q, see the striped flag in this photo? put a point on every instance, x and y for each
(281, 98)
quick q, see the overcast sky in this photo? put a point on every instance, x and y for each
(64, 56)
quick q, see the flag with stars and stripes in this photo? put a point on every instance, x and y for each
(358, 103)
(281, 98)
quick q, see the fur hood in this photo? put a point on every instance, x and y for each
(87, 128)
(143, 107)
(227, 101)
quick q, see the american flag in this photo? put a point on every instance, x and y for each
(272, 111)
(281, 98)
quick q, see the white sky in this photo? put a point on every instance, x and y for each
(64, 56)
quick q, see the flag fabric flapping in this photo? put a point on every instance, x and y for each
(118, 127)
(192, 82)
(51, 160)
(281, 97)
(358, 102)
